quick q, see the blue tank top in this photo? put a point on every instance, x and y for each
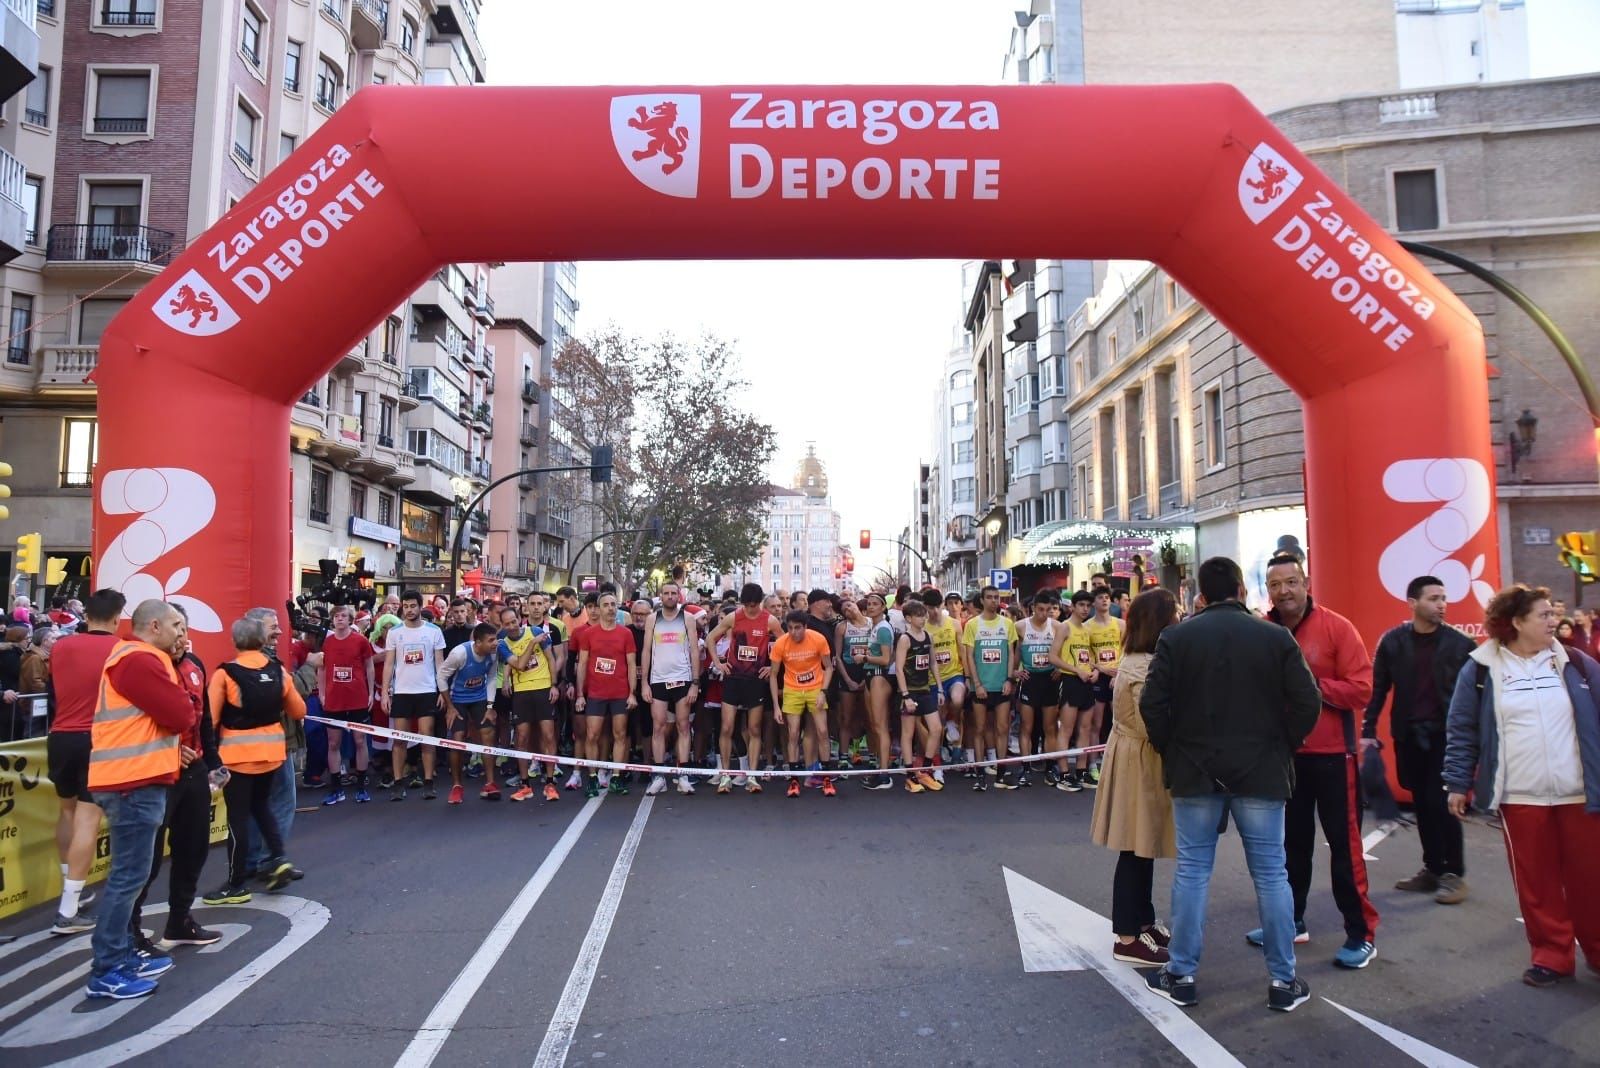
(471, 683)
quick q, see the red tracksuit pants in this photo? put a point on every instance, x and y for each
(1554, 852)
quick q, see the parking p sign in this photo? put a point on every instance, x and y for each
(1000, 578)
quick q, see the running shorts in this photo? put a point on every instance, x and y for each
(1102, 690)
(356, 715)
(799, 702)
(1076, 693)
(67, 757)
(949, 684)
(475, 716)
(670, 692)
(532, 706)
(413, 706)
(604, 707)
(745, 691)
(997, 698)
(1040, 690)
(927, 704)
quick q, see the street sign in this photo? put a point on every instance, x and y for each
(1000, 578)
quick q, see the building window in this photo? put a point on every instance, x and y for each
(36, 101)
(128, 12)
(19, 349)
(291, 67)
(1111, 349)
(385, 510)
(329, 80)
(1138, 318)
(246, 123)
(94, 315)
(1081, 486)
(961, 414)
(321, 490)
(408, 35)
(1077, 374)
(286, 145)
(961, 452)
(121, 102)
(80, 451)
(358, 500)
(115, 208)
(1170, 288)
(961, 380)
(250, 21)
(32, 204)
(391, 339)
(1416, 200)
(1216, 453)
(386, 412)
(963, 490)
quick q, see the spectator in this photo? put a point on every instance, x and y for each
(12, 718)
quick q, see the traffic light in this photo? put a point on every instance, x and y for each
(5, 491)
(28, 550)
(866, 539)
(55, 570)
(353, 558)
(1580, 550)
(600, 463)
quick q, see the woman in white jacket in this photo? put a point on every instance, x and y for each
(1524, 735)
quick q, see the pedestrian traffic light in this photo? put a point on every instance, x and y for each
(55, 570)
(28, 549)
(1580, 550)
(600, 463)
(5, 491)
(866, 539)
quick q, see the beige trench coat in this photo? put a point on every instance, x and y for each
(1132, 809)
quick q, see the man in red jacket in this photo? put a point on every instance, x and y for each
(1326, 772)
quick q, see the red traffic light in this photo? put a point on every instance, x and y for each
(866, 539)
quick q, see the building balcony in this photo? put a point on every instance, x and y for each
(436, 293)
(529, 434)
(482, 418)
(552, 525)
(480, 469)
(486, 309)
(14, 233)
(405, 470)
(341, 439)
(351, 362)
(453, 18)
(377, 458)
(483, 363)
(63, 368)
(526, 523)
(477, 525)
(108, 249)
(307, 422)
(530, 391)
(488, 383)
(19, 45)
(369, 23)
(525, 482)
(410, 395)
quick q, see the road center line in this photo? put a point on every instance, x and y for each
(442, 1020)
(558, 1039)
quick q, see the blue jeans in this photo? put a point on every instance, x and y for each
(135, 817)
(282, 803)
(1260, 824)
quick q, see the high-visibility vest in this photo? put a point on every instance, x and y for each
(251, 732)
(127, 745)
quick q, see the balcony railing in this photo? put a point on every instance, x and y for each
(386, 440)
(311, 398)
(331, 8)
(555, 526)
(526, 565)
(525, 482)
(13, 179)
(480, 469)
(377, 10)
(105, 124)
(37, 118)
(525, 523)
(40, 7)
(137, 244)
(68, 365)
(244, 155)
(529, 434)
(18, 354)
(530, 391)
(318, 515)
(108, 17)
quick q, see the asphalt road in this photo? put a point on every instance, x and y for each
(873, 928)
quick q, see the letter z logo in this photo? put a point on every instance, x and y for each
(173, 504)
(1265, 181)
(657, 136)
(193, 306)
(1460, 487)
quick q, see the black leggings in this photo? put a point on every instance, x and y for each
(249, 795)
(188, 829)
(1131, 889)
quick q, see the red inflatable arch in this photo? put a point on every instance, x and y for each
(199, 373)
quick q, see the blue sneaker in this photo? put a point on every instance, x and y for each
(120, 984)
(149, 965)
(1355, 954)
(334, 797)
(1258, 937)
(362, 797)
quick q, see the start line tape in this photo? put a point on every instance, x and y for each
(667, 769)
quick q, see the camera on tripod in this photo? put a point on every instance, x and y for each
(335, 590)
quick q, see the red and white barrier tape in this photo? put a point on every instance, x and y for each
(672, 770)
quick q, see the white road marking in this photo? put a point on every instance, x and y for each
(427, 1043)
(24, 942)
(1062, 929)
(1414, 1048)
(558, 1039)
(1376, 835)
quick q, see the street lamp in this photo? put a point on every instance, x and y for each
(993, 527)
(1527, 433)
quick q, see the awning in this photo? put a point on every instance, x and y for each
(1053, 543)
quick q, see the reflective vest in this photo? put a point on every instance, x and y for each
(127, 745)
(251, 732)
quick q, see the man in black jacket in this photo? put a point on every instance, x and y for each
(1228, 700)
(1421, 660)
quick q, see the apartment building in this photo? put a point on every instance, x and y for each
(952, 475)
(151, 119)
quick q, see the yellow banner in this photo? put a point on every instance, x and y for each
(30, 869)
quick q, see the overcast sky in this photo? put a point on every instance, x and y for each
(821, 341)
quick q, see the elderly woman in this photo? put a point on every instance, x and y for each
(1132, 810)
(1524, 737)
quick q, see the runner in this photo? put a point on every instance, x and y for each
(947, 670)
(1074, 658)
(458, 624)
(1105, 641)
(881, 679)
(639, 726)
(989, 651)
(752, 629)
(807, 665)
(608, 671)
(671, 666)
(919, 698)
(346, 680)
(533, 655)
(1041, 691)
(466, 679)
(414, 653)
(822, 617)
(852, 636)
(569, 725)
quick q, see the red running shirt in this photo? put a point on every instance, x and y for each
(344, 666)
(608, 650)
(748, 652)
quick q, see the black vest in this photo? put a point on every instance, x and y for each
(260, 696)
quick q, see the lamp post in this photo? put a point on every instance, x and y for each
(1527, 432)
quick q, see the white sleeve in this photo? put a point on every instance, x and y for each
(452, 664)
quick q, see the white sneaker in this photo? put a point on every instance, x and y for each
(938, 774)
(576, 782)
(952, 733)
(740, 779)
(605, 780)
(658, 783)
(684, 785)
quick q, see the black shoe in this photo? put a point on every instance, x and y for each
(428, 792)
(142, 944)
(981, 785)
(876, 782)
(416, 780)
(386, 781)
(1178, 989)
(1023, 780)
(1052, 774)
(1003, 781)
(187, 933)
(1286, 997)
(1540, 976)
(397, 793)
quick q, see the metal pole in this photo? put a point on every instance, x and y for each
(455, 544)
(572, 565)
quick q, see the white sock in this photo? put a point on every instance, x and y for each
(971, 755)
(63, 871)
(744, 763)
(605, 778)
(989, 755)
(70, 892)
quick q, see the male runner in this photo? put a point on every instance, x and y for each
(1105, 641)
(346, 680)
(1074, 658)
(458, 624)
(989, 651)
(672, 669)
(919, 699)
(466, 679)
(413, 655)
(948, 671)
(1038, 637)
(822, 617)
(608, 671)
(807, 663)
(534, 655)
(752, 630)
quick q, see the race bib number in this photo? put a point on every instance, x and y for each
(413, 656)
(1107, 655)
(922, 662)
(668, 637)
(991, 656)
(804, 677)
(473, 683)
(344, 674)
(1041, 660)
(605, 665)
(747, 654)
(944, 659)
(1083, 657)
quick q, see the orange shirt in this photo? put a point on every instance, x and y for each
(224, 691)
(802, 660)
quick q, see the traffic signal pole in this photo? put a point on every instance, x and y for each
(461, 525)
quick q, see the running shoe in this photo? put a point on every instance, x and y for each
(227, 895)
(397, 793)
(842, 764)
(592, 788)
(938, 777)
(740, 779)
(71, 925)
(1355, 954)
(725, 784)
(981, 785)
(142, 946)
(605, 780)
(1540, 976)
(456, 796)
(475, 770)
(513, 781)
(658, 783)
(912, 785)
(279, 873)
(120, 984)
(576, 781)
(187, 933)
(928, 782)
(491, 792)
(1022, 778)
(1069, 782)
(828, 789)
(1089, 778)
(618, 788)
(814, 780)
(1003, 781)
(793, 789)
(1286, 997)
(1142, 950)
(428, 792)
(1258, 937)
(334, 797)
(752, 786)
(1178, 989)
(1052, 775)
(550, 791)
(684, 785)
(952, 733)
(416, 780)
(362, 797)
(876, 782)
(524, 793)
(386, 781)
